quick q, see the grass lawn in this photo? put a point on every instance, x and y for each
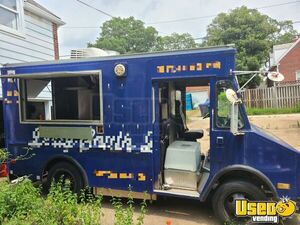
(272, 111)
(254, 111)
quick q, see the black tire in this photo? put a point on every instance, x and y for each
(225, 193)
(65, 171)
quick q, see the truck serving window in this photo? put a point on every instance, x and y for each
(224, 106)
(63, 98)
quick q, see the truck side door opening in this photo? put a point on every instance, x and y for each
(181, 158)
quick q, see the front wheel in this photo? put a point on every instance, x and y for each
(223, 201)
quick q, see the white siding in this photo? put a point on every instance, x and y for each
(36, 44)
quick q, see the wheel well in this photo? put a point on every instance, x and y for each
(70, 160)
(244, 176)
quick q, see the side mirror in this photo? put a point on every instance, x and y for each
(234, 120)
(234, 117)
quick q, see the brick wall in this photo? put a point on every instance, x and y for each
(55, 41)
(290, 63)
(197, 89)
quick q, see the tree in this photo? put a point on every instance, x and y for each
(286, 32)
(129, 35)
(175, 42)
(253, 35)
(126, 35)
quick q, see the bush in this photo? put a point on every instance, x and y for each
(17, 201)
(124, 215)
(3, 155)
(23, 204)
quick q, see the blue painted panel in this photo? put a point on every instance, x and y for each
(131, 140)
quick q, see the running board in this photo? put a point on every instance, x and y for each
(178, 193)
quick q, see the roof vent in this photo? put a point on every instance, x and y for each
(91, 52)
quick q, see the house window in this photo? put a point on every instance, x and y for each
(298, 75)
(66, 99)
(10, 14)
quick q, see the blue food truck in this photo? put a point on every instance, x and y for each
(116, 122)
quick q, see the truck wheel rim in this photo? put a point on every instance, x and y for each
(229, 205)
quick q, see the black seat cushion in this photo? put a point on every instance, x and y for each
(192, 135)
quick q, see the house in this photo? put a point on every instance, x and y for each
(286, 59)
(28, 32)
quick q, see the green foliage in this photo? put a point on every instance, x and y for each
(224, 106)
(3, 155)
(286, 32)
(17, 201)
(271, 111)
(126, 35)
(175, 42)
(253, 35)
(124, 214)
(22, 203)
(236, 223)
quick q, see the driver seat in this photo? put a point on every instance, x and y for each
(183, 131)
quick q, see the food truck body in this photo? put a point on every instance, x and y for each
(118, 123)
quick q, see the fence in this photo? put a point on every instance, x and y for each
(280, 96)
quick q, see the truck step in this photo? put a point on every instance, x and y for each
(178, 192)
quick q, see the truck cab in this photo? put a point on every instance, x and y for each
(118, 123)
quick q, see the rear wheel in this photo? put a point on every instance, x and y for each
(223, 201)
(66, 173)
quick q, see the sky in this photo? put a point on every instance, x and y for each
(83, 23)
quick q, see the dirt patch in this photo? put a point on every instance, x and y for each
(286, 127)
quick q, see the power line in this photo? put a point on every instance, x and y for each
(92, 7)
(178, 20)
(280, 4)
(170, 21)
(209, 16)
(74, 27)
(181, 20)
(70, 27)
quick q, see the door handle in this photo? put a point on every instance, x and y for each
(220, 140)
